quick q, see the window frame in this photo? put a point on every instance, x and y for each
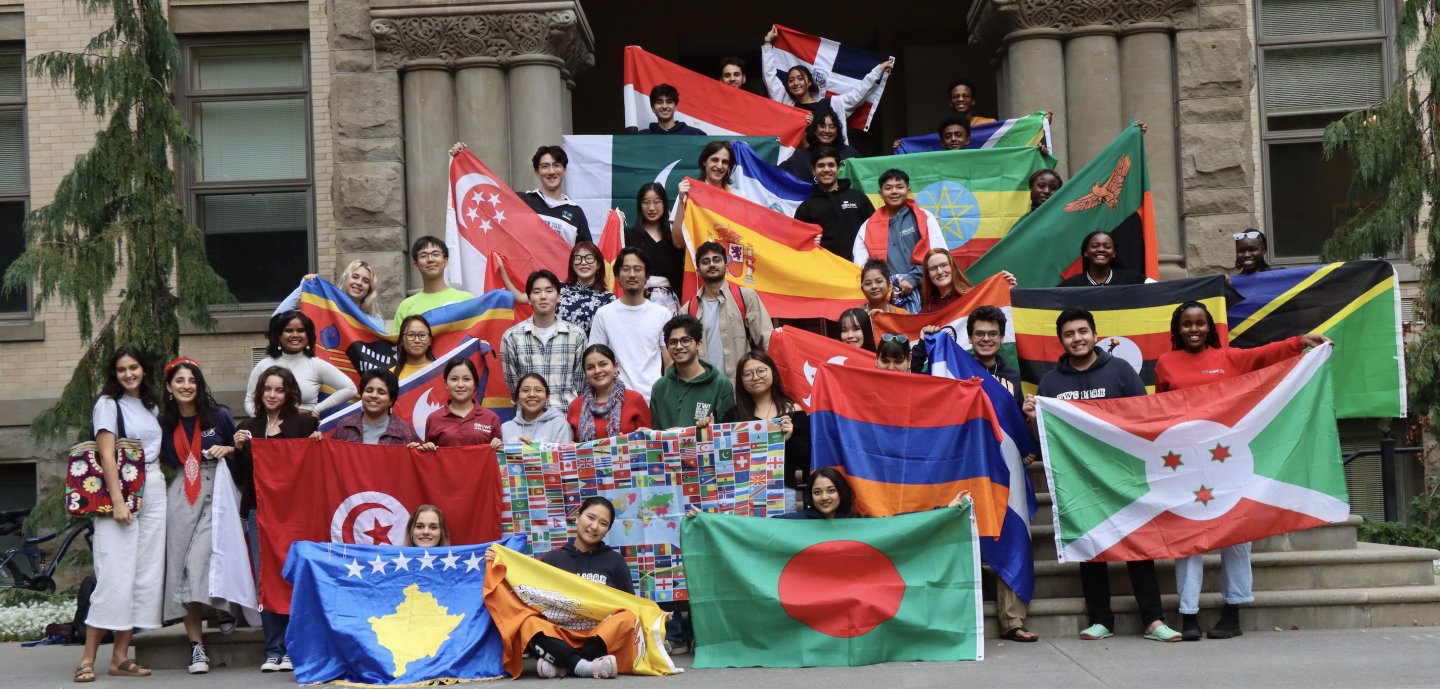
(22, 194)
(192, 191)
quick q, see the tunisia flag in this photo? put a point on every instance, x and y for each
(800, 353)
(485, 219)
(341, 492)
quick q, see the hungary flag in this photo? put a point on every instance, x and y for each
(834, 592)
(1193, 470)
(975, 195)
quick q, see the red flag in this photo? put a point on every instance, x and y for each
(483, 219)
(612, 240)
(343, 492)
(800, 353)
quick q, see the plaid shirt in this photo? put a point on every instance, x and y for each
(522, 352)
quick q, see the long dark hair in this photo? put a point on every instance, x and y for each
(277, 326)
(400, 354)
(744, 403)
(711, 149)
(205, 404)
(812, 132)
(814, 89)
(658, 188)
(114, 390)
(1115, 263)
(847, 495)
(1212, 339)
(292, 391)
(572, 279)
(861, 318)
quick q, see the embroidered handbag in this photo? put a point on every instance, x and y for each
(85, 491)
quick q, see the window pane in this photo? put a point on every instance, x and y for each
(12, 244)
(251, 140)
(257, 242)
(1308, 197)
(247, 67)
(1299, 81)
(12, 76)
(1291, 123)
(1302, 17)
(12, 150)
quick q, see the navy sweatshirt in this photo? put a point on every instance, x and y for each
(604, 565)
(1107, 378)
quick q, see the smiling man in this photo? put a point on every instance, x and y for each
(630, 325)
(692, 392)
(430, 256)
(664, 101)
(545, 344)
(733, 318)
(550, 201)
(838, 209)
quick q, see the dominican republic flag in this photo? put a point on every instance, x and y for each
(1190, 471)
(484, 219)
(838, 70)
(1009, 555)
(765, 184)
(717, 109)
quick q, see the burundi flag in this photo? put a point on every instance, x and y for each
(840, 70)
(1356, 304)
(1030, 130)
(607, 171)
(773, 254)
(834, 592)
(1189, 471)
(975, 196)
(1132, 322)
(1111, 194)
(994, 291)
(387, 616)
(799, 354)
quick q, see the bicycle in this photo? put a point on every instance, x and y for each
(28, 553)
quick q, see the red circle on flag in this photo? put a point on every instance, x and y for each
(841, 588)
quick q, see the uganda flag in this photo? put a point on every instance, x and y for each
(1189, 471)
(1132, 322)
(834, 592)
(1356, 304)
(1110, 194)
(975, 195)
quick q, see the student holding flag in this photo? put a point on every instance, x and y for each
(373, 424)
(760, 395)
(417, 347)
(605, 407)
(1251, 249)
(549, 200)
(834, 205)
(944, 281)
(801, 90)
(292, 345)
(358, 283)
(732, 317)
(824, 130)
(717, 161)
(582, 293)
(900, 233)
(962, 100)
(462, 421)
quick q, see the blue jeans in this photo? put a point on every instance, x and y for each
(1235, 578)
(274, 624)
(677, 628)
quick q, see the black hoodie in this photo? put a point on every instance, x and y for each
(604, 565)
(839, 213)
(1107, 378)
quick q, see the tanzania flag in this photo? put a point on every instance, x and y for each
(606, 171)
(526, 596)
(1356, 304)
(1030, 130)
(994, 291)
(387, 616)
(1132, 322)
(799, 353)
(834, 592)
(975, 195)
(1189, 471)
(909, 443)
(1111, 194)
(773, 254)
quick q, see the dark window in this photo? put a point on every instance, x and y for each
(14, 178)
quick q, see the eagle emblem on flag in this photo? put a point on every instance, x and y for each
(1107, 193)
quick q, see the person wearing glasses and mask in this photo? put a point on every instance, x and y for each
(692, 392)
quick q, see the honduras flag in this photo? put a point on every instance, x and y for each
(760, 182)
(1029, 130)
(1010, 555)
(390, 616)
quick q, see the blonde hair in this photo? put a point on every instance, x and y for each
(371, 303)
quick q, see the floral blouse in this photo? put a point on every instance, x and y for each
(579, 304)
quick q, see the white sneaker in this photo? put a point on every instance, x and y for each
(227, 622)
(285, 664)
(271, 664)
(199, 662)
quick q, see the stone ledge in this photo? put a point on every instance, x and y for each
(231, 323)
(22, 330)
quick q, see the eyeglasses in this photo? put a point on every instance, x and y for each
(417, 337)
(680, 342)
(986, 334)
(895, 337)
(583, 259)
(427, 255)
(1249, 234)
(756, 374)
(713, 261)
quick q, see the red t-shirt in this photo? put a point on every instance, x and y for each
(476, 428)
(1177, 369)
(634, 414)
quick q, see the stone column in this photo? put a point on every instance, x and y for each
(536, 98)
(1147, 75)
(1036, 69)
(482, 112)
(568, 110)
(428, 96)
(1092, 91)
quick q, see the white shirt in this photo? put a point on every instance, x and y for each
(310, 373)
(140, 423)
(633, 332)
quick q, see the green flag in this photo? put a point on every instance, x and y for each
(823, 592)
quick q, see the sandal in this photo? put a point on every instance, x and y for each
(1095, 632)
(85, 672)
(129, 668)
(1020, 634)
(1163, 633)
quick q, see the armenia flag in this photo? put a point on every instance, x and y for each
(908, 443)
(773, 254)
(834, 592)
(1132, 322)
(387, 616)
(1111, 193)
(975, 195)
(1356, 304)
(1030, 130)
(1189, 471)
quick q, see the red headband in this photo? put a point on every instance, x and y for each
(180, 360)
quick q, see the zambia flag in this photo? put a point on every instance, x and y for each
(1111, 194)
(1356, 304)
(834, 592)
(975, 195)
(1189, 471)
(1132, 322)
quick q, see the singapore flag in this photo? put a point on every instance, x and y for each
(485, 219)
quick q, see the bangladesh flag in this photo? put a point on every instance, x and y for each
(1357, 304)
(606, 171)
(1189, 471)
(975, 195)
(841, 592)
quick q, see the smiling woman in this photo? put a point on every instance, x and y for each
(427, 528)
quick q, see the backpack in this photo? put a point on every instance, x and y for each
(82, 611)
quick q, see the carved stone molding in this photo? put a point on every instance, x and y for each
(431, 38)
(991, 20)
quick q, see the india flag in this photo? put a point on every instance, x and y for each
(1189, 471)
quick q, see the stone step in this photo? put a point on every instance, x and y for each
(1357, 608)
(1340, 536)
(169, 649)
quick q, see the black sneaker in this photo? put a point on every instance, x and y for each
(199, 662)
(226, 620)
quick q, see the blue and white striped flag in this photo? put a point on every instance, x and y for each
(760, 182)
(1029, 130)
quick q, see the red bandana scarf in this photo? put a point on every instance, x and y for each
(188, 447)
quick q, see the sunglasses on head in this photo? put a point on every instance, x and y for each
(895, 337)
(1248, 234)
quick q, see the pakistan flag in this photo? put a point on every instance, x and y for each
(1189, 471)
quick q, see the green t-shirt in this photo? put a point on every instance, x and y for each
(421, 302)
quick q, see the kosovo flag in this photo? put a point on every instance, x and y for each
(391, 617)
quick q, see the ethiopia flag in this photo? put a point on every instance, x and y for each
(834, 592)
(1356, 304)
(1111, 194)
(799, 354)
(975, 195)
(773, 254)
(1030, 130)
(1189, 471)
(1132, 322)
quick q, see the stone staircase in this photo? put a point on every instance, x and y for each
(1321, 578)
